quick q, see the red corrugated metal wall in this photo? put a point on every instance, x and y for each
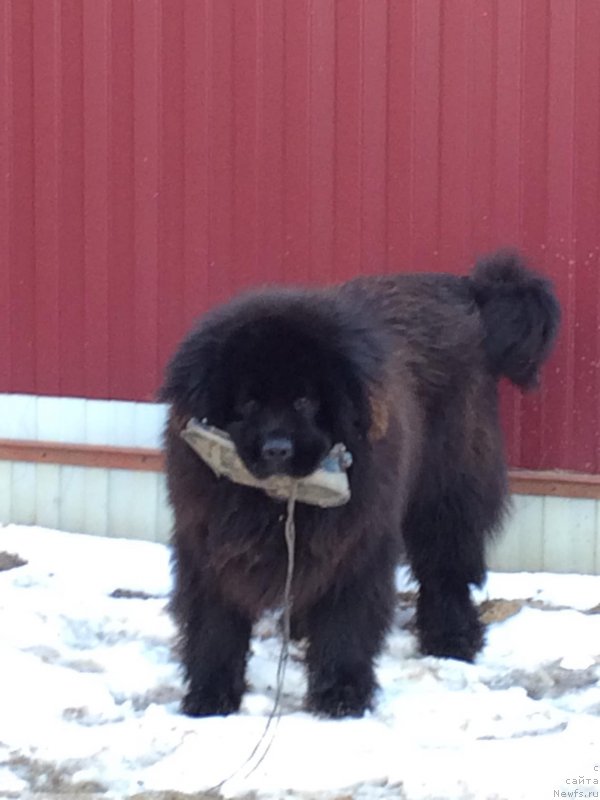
(157, 155)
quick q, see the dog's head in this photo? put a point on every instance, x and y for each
(278, 373)
(275, 407)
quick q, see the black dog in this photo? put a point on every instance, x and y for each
(403, 370)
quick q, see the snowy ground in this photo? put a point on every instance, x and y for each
(89, 693)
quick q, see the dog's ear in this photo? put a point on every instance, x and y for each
(370, 413)
(190, 376)
(380, 415)
(351, 412)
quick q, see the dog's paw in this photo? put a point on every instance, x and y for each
(448, 625)
(341, 700)
(204, 703)
(462, 644)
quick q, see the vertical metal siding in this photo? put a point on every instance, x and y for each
(158, 155)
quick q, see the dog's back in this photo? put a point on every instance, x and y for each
(456, 337)
(503, 318)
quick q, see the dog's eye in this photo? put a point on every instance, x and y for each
(246, 408)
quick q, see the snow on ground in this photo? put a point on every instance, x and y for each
(90, 689)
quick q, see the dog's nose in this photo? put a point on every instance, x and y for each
(277, 451)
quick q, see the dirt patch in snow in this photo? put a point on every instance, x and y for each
(10, 561)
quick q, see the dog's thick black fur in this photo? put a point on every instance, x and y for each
(403, 370)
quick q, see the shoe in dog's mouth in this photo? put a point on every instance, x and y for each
(326, 487)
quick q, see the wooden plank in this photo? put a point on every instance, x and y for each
(553, 483)
(82, 455)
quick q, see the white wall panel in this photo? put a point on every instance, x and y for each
(164, 521)
(597, 554)
(132, 504)
(47, 494)
(552, 534)
(5, 491)
(522, 538)
(73, 419)
(23, 493)
(98, 422)
(149, 422)
(18, 418)
(555, 534)
(73, 499)
(60, 419)
(96, 494)
(569, 534)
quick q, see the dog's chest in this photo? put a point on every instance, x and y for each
(251, 558)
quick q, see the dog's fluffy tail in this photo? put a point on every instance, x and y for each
(520, 315)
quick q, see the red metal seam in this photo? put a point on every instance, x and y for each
(95, 69)
(21, 253)
(70, 233)
(46, 132)
(196, 166)
(148, 54)
(171, 198)
(5, 187)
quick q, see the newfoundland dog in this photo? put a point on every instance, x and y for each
(401, 369)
